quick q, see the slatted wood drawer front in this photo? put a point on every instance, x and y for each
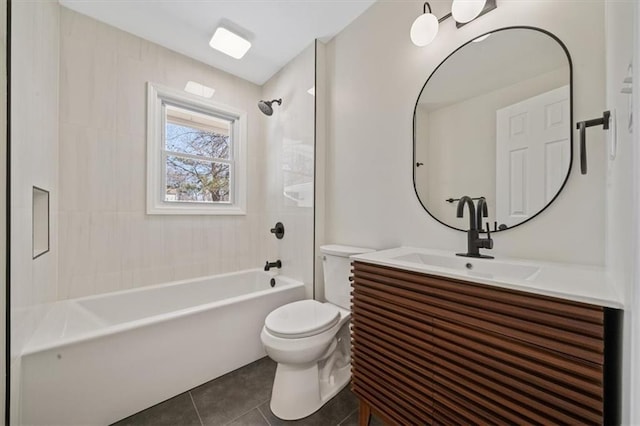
(391, 352)
(453, 352)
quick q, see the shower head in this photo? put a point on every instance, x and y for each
(265, 106)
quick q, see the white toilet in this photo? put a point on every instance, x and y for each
(310, 341)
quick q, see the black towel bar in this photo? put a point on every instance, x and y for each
(582, 126)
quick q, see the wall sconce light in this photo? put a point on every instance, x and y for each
(425, 27)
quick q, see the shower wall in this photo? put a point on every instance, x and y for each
(79, 131)
(34, 154)
(289, 142)
(107, 241)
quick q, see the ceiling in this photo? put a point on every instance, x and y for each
(278, 29)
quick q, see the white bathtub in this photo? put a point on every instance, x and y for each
(98, 359)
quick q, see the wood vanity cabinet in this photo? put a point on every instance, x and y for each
(430, 350)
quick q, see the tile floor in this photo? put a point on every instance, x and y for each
(241, 398)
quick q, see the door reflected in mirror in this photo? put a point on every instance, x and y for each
(494, 120)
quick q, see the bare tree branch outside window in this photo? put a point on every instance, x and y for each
(194, 180)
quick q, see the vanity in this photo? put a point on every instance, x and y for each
(441, 339)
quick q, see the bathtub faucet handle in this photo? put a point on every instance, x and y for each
(268, 265)
(278, 230)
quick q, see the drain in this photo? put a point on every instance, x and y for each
(272, 282)
(469, 266)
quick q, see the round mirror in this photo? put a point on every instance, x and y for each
(494, 120)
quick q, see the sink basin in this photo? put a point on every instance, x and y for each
(483, 268)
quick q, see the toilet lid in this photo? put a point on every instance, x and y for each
(302, 319)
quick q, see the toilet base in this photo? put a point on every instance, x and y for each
(299, 390)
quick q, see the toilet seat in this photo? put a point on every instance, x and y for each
(302, 319)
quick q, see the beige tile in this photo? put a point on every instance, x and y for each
(144, 277)
(75, 189)
(107, 241)
(106, 37)
(154, 237)
(185, 272)
(105, 84)
(126, 280)
(130, 177)
(129, 45)
(130, 228)
(77, 81)
(21, 258)
(176, 70)
(132, 77)
(178, 241)
(76, 25)
(101, 172)
(107, 282)
(81, 285)
(199, 254)
(104, 243)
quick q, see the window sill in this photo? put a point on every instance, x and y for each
(193, 210)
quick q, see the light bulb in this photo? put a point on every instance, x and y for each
(464, 11)
(424, 29)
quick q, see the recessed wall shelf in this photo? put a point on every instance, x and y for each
(40, 221)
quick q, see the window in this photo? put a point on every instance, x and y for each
(195, 155)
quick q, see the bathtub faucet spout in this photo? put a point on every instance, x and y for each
(269, 265)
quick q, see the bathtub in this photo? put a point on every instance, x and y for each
(98, 359)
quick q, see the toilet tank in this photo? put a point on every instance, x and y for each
(336, 266)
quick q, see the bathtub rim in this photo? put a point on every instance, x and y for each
(35, 348)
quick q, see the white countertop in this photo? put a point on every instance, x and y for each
(580, 283)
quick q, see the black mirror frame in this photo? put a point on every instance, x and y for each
(414, 162)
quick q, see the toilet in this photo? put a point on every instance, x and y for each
(310, 341)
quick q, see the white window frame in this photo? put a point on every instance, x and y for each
(157, 97)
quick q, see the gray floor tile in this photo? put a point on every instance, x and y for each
(352, 420)
(236, 393)
(331, 414)
(252, 418)
(178, 410)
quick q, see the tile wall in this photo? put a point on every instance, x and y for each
(107, 241)
(289, 144)
(79, 131)
(34, 155)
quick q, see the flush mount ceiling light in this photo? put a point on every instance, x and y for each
(229, 43)
(425, 27)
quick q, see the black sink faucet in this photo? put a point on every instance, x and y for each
(269, 265)
(474, 242)
(481, 211)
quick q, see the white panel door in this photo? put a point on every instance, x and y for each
(533, 140)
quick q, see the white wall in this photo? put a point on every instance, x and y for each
(107, 242)
(289, 154)
(375, 75)
(621, 214)
(34, 159)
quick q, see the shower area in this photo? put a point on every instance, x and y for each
(107, 294)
